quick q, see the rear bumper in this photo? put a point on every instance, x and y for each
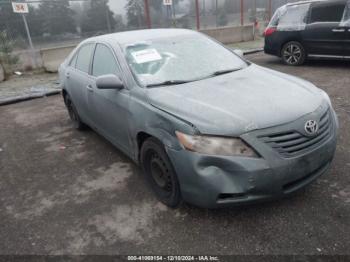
(270, 51)
(218, 181)
(272, 46)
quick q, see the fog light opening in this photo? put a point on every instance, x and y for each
(227, 197)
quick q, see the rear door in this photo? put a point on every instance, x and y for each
(109, 108)
(324, 34)
(77, 78)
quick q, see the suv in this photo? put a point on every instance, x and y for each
(309, 29)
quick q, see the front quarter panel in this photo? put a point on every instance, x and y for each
(154, 122)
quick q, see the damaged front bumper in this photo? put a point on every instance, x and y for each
(215, 181)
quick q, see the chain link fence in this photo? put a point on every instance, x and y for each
(54, 23)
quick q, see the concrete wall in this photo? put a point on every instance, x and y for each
(51, 58)
(229, 35)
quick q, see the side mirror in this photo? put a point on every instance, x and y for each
(109, 82)
(239, 52)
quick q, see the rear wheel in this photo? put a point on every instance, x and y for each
(293, 53)
(160, 172)
(73, 113)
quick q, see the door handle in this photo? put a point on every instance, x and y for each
(89, 88)
(335, 30)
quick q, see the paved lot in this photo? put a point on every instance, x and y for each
(69, 192)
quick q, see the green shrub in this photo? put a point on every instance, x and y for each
(7, 58)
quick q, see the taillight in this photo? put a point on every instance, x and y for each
(270, 31)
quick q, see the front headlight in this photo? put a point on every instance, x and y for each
(212, 145)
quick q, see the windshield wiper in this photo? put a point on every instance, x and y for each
(178, 82)
(169, 83)
(226, 71)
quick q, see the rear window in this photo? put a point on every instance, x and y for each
(290, 18)
(327, 13)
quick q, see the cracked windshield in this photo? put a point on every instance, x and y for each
(179, 60)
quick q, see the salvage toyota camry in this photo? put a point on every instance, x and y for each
(205, 125)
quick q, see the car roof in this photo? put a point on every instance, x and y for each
(316, 1)
(129, 37)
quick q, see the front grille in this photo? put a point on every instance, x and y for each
(293, 143)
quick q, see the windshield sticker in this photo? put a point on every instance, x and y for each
(146, 56)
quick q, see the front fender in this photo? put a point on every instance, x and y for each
(156, 123)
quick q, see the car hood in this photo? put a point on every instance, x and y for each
(238, 102)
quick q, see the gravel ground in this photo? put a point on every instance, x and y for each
(69, 192)
(28, 84)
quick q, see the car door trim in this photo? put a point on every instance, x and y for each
(329, 56)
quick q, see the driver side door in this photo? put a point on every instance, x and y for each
(109, 108)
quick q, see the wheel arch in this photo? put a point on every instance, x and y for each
(286, 41)
(161, 126)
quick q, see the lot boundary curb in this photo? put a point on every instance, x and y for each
(17, 99)
(253, 51)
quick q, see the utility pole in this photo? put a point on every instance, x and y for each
(216, 13)
(147, 15)
(174, 15)
(108, 20)
(242, 11)
(197, 15)
(28, 32)
(22, 9)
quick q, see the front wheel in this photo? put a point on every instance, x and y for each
(160, 172)
(293, 53)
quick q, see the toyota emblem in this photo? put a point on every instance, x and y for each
(311, 127)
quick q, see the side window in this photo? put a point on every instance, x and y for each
(73, 61)
(327, 13)
(346, 17)
(84, 58)
(104, 62)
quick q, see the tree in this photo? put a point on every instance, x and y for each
(232, 6)
(34, 22)
(98, 17)
(119, 24)
(57, 17)
(10, 22)
(135, 13)
(7, 59)
(13, 23)
(222, 18)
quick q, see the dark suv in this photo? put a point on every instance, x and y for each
(309, 29)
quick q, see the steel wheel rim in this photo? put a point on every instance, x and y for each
(160, 174)
(292, 54)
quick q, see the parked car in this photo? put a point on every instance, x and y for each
(310, 29)
(205, 125)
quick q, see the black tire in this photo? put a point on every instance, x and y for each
(73, 113)
(160, 173)
(293, 53)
